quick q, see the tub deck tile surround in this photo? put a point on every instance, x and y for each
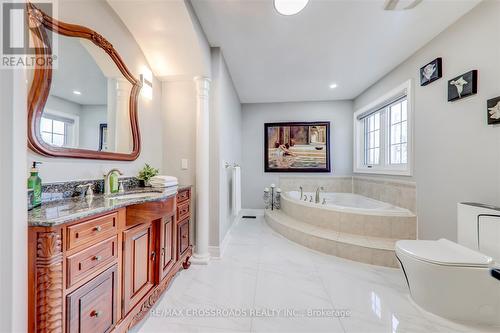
(370, 250)
(311, 183)
(397, 227)
(400, 193)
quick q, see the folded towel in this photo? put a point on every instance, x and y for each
(162, 184)
(164, 178)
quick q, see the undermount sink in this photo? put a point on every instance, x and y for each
(136, 195)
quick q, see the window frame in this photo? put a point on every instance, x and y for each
(383, 103)
(73, 134)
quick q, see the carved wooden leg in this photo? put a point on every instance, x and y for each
(186, 263)
(49, 283)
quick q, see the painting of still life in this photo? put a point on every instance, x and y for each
(297, 147)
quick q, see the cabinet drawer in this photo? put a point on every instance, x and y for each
(88, 261)
(91, 231)
(183, 236)
(183, 210)
(183, 196)
(92, 307)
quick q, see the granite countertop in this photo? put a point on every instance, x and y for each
(54, 213)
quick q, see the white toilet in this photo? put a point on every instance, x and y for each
(453, 280)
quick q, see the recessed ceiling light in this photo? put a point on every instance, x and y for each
(333, 86)
(290, 7)
(76, 92)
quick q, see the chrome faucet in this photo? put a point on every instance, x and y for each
(317, 193)
(301, 192)
(107, 189)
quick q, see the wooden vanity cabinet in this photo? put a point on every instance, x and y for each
(103, 273)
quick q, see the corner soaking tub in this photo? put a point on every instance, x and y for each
(351, 213)
(348, 202)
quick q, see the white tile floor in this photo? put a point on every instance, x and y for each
(262, 271)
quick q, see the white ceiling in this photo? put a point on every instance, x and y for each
(165, 32)
(275, 58)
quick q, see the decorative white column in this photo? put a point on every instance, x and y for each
(201, 255)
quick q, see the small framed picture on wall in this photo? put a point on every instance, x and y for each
(462, 86)
(431, 72)
(493, 106)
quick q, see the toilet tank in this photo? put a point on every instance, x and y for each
(479, 228)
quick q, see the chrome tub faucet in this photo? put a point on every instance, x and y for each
(317, 200)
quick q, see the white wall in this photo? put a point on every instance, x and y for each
(457, 155)
(58, 104)
(13, 208)
(254, 179)
(91, 117)
(225, 128)
(100, 17)
(179, 123)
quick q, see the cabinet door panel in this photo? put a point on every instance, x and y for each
(182, 236)
(138, 264)
(167, 245)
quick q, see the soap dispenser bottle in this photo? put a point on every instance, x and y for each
(35, 184)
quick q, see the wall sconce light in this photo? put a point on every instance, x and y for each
(147, 85)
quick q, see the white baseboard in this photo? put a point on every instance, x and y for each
(216, 252)
(249, 211)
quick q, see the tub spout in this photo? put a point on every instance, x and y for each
(317, 200)
(301, 192)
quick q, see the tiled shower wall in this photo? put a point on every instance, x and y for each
(396, 192)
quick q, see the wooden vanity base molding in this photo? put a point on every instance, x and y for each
(49, 282)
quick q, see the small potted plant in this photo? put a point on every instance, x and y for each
(146, 174)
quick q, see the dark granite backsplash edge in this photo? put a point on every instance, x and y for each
(63, 190)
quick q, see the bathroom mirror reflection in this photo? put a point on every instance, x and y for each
(87, 107)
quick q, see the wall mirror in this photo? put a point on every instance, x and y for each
(85, 104)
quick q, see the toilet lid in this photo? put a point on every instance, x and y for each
(443, 252)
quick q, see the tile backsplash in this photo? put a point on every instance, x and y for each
(62, 190)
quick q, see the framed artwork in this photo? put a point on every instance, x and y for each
(297, 147)
(431, 72)
(103, 137)
(493, 111)
(462, 86)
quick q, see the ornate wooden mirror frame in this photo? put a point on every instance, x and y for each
(40, 87)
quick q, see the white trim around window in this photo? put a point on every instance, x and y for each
(382, 107)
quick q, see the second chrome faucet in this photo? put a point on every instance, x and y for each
(318, 190)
